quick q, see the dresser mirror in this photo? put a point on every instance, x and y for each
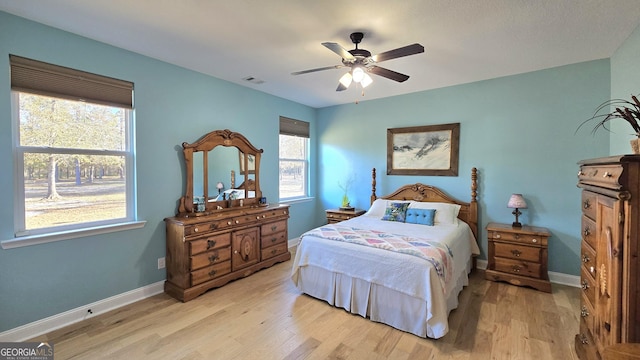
(215, 164)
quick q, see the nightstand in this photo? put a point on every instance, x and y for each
(518, 255)
(337, 215)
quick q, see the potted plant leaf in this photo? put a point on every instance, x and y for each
(626, 110)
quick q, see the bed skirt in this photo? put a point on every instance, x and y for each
(379, 303)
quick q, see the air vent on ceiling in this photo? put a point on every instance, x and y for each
(253, 80)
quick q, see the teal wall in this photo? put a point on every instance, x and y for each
(518, 131)
(173, 105)
(625, 81)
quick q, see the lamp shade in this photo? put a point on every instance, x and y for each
(516, 201)
(220, 186)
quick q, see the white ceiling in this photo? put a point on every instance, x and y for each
(464, 40)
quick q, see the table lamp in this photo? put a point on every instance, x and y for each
(220, 186)
(516, 202)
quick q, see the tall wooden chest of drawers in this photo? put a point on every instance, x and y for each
(518, 255)
(204, 252)
(610, 273)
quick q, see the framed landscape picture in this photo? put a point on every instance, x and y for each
(423, 150)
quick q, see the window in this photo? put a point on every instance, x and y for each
(294, 159)
(74, 152)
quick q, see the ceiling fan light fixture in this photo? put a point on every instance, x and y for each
(358, 74)
(366, 81)
(345, 80)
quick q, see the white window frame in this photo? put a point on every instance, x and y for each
(24, 237)
(305, 161)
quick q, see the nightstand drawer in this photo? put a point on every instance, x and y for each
(523, 268)
(517, 252)
(519, 238)
(337, 215)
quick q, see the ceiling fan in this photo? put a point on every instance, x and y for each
(362, 62)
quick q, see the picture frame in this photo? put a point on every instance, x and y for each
(251, 163)
(430, 150)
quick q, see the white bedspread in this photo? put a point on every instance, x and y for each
(403, 273)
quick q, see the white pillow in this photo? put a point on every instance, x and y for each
(379, 206)
(445, 213)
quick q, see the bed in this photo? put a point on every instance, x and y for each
(406, 274)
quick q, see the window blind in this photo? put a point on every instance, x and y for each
(294, 127)
(42, 78)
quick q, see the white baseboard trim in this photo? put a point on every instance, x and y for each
(554, 277)
(37, 328)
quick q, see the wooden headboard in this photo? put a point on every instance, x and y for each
(427, 193)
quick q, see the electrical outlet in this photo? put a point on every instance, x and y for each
(161, 263)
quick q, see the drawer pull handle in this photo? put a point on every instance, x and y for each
(258, 217)
(274, 239)
(497, 236)
(228, 222)
(585, 259)
(587, 231)
(214, 258)
(195, 229)
(214, 226)
(237, 221)
(583, 339)
(580, 173)
(592, 270)
(517, 236)
(534, 240)
(274, 227)
(515, 268)
(585, 285)
(606, 174)
(516, 253)
(284, 212)
(264, 216)
(584, 312)
(210, 244)
(586, 204)
(212, 273)
(274, 251)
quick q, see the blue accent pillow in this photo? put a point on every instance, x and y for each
(395, 212)
(421, 216)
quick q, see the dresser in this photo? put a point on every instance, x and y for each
(518, 255)
(208, 251)
(609, 273)
(337, 215)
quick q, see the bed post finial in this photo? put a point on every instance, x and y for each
(373, 185)
(474, 183)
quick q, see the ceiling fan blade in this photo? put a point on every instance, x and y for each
(341, 87)
(317, 69)
(389, 74)
(399, 52)
(336, 48)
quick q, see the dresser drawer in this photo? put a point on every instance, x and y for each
(588, 258)
(607, 176)
(588, 286)
(585, 346)
(274, 227)
(273, 239)
(589, 231)
(274, 251)
(519, 238)
(517, 252)
(589, 204)
(209, 243)
(210, 272)
(198, 229)
(523, 268)
(210, 258)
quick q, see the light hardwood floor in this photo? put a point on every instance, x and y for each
(265, 317)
